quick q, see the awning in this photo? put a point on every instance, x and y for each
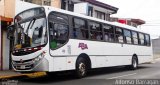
(2, 18)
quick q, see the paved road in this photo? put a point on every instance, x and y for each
(105, 76)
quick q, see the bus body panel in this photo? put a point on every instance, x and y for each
(101, 53)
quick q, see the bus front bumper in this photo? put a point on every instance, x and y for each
(42, 65)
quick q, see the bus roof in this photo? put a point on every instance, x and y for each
(91, 18)
(50, 9)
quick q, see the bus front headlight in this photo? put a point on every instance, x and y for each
(39, 57)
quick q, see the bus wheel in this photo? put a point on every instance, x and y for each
(134, 63)
(81, 68)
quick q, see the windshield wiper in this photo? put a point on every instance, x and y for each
(30, 25)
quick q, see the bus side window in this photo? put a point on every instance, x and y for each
(135, 37)
(147, 40)
(141, 39)
(59, 30)
(127, 36)
(95, 31)
(80, 30)
(108, 33)
(119, 35)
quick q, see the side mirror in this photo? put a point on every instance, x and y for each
(10, 32)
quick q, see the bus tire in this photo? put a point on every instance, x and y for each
(81, 68)
(134, 64)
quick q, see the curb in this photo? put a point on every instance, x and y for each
(154, 61)
(27, 75)
(12, 77)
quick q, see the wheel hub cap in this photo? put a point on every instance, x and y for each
(82, 68)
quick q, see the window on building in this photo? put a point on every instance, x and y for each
(133, 24)
(147, 40)
(30, 1)
(95, 31)
(90, 11)
(80, 30)
(100, 15)
(141, 39)
(67, 5)
(70, 6)
(63, 4)
(47, 2)
(135, 37)
(119, 35)
(108, 33)
(127, 36)
(108, 17)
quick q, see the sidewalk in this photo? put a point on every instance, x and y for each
(8, 74)
(12, 74)
(156, 60)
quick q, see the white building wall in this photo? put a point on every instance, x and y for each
(106, 11)
(81, 8)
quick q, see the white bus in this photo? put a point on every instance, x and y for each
(52, 40)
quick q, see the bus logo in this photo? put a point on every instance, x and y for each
(21, 61)
(83, 46)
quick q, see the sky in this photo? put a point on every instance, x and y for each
(147, 10)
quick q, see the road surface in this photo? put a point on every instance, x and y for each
(144, 75)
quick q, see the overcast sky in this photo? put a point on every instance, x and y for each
(147, 10)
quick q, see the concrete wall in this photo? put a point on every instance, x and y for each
(56, 3)
(2, 7)
(156, 47)
(39, 2)
(5, 50)
(7, 8)
(0, 47)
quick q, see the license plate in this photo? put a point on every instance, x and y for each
(22, 66)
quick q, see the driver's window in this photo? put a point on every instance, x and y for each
(37, 34)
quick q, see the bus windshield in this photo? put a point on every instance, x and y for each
(30, 29)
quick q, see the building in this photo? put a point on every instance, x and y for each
(8, 9)
(128, 21)
(5, 20)
(4, 43)
(91, 8)
(95, 9)
(156, 48)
